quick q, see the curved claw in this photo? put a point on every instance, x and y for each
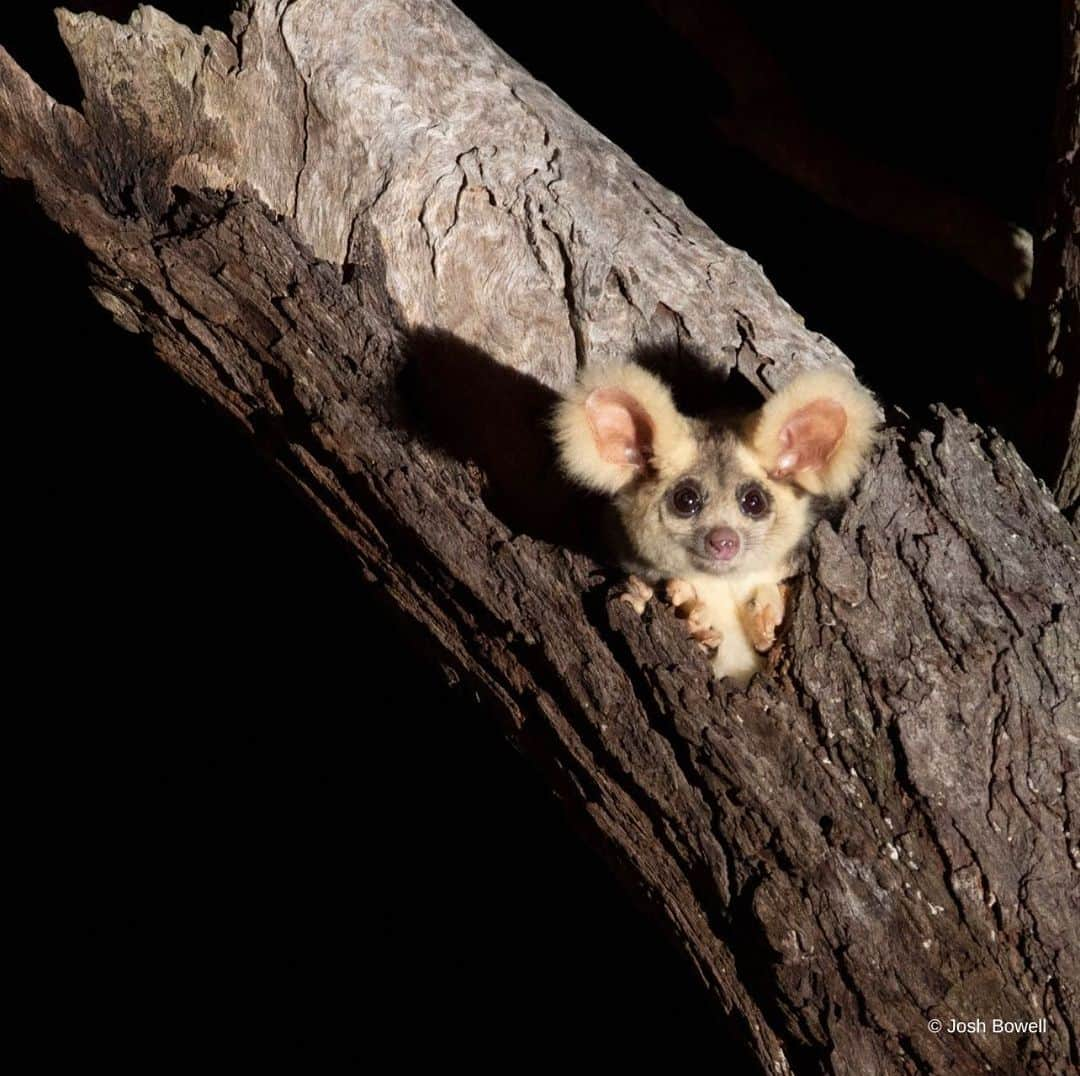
(765, 614)
(696, 615)
(679, 592)
(636, 594)
(709, 639)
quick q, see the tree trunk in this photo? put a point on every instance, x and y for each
(881, 833)
(1056, 285)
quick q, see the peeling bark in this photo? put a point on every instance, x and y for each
(882, 833)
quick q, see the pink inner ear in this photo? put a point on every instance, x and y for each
(810, 436)
(621, 427)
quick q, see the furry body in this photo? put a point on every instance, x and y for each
(720, 505)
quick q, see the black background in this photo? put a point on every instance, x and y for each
(248, 824)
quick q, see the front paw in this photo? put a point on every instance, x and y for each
(693, 613)
(701, 631)
(636, 594)
(679, 592)
(765, 613)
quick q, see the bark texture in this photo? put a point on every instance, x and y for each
(883, 832)
(1056, 290)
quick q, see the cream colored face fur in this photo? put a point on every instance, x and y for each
(704, 497)
(724, 480)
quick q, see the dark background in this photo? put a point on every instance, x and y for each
(250, 825)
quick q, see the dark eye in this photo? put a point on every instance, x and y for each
(686, 499)
(754, 502)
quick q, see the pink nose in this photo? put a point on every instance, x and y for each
(724, 542)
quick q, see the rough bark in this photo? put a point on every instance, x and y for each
(1056, 285)
(881, 833)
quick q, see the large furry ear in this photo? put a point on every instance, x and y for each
(817, 432)
(619, 423)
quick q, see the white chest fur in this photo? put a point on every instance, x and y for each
(729, 604)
